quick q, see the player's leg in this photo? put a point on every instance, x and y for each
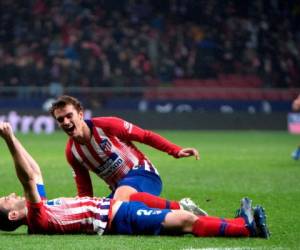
(255, 218)
(124, 192)
(128, 193)
(249, 222)
(179, 222)
(207, 226)
(145, 186)
(162, 203)
(136, 218)
(204, 226)
(137, 181)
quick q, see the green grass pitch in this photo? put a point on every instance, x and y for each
(233, 165)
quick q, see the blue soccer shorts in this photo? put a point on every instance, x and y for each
(135, 218)
(141, 180)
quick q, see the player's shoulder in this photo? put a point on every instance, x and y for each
(105, 120)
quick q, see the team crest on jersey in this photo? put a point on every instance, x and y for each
(54, 202)
(105, 145)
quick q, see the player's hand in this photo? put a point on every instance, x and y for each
(5, 130)
(186, 152)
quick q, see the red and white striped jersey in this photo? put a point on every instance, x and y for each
(69, 215)
(111, 153)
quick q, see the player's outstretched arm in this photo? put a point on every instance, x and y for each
(32, 163)
(25, 173)
(186, 152)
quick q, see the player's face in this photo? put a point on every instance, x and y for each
(12, 202)
(70, 120)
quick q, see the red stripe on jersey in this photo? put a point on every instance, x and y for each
(78, 216)
(69, 215)
(127, 150)
(94, 153)
(83, 156)
(111, 153)
(89, 202)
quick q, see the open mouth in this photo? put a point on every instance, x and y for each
(70, 130)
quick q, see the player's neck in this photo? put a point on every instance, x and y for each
(85, 136)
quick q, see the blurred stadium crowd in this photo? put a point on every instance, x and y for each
(63, 43)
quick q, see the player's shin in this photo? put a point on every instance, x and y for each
(154, 201)
(207, 226)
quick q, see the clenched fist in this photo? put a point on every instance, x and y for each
(5, 130)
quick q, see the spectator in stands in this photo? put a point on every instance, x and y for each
(141, 41)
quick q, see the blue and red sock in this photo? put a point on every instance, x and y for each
(208, 226)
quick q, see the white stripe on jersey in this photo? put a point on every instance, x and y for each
(83, 209)
(87, 153)
(87, 220)
(116, 157)
(101, 133)
(72, 211)
(78, 157)
(96, 201)
(127, 153)
(148, 167)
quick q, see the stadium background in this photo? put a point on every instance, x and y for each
(189, 63)
(171, 64)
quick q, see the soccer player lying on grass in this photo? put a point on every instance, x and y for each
(104, 145)
(108, 216)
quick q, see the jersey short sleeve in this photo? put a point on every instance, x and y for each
(36, 217)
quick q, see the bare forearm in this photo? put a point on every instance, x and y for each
(23, 169)
(25, 172)
(32, 163)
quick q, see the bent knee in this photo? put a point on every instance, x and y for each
(188, 219)
(180, 220)
(123, 193)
